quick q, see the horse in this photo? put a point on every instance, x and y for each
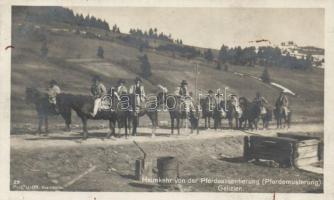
(148, 108)
(176, 108)
(81, 104)
(44, 109)
(281, 115)
(232, 114)
(252, 114)
(218, 114)
(207, 110)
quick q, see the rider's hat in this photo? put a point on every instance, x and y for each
(121, 81)
(96, 78)
(138, 79)
(210, 91)
(53, 82)
(184, 82)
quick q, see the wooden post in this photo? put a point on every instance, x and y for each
(225, 98)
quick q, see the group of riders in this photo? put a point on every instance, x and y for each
(99, 90)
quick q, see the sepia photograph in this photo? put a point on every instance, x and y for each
(167, 99)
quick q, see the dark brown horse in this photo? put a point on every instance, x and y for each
(252, 114)
(81, 104)
(283, 118)
(219, 113)
(148, 108)
(208, 107)
(177, 112)
(233, 115)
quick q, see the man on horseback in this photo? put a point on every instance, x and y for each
(53, 90)
(121, 88)
(261, 102)
(211, 100)
(138, 90)
(183, 93)
(235, 102)
(98, 90)
(282, 101)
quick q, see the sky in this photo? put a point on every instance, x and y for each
(212, 27)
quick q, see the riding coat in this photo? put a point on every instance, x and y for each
(139, 91)
(185, 97)
(181, 91)
(52, 93)
(121, 89)
(212, 102)
(98, 90)
(261, 101)
(282, 101)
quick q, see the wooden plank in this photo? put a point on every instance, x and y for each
(307, 154)
(305, 161)
(311, 142)
(301, 135)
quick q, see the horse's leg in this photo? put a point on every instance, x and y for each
(129, 120)
(209, 122)
(134, 125)
(178, 125)
(40, 124)
(236, 123)
(172, 124)
(67, 115)
(125, 126)
(46, 124)
(205, 122)
(84, 127)
(230, 122)
(111, 129)
(154, 120)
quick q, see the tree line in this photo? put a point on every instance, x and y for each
(59, 14)
(265, 56)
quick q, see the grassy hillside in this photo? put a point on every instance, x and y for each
(72, 61)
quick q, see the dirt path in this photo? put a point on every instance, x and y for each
(72, 139)
(51, 163)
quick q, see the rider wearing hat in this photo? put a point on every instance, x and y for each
(138, 90)
(261, 101)
(211, 100)
(121, 88)
(98, 90)
(282, 101)
(235, 102)
(182, 91)
(53, 90)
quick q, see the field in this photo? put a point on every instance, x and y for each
(72, 61)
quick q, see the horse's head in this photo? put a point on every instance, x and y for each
(32, 95)
(243, 102)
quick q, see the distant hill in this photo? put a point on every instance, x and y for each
(72, 61)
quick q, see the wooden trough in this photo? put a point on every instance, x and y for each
(287, 151)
